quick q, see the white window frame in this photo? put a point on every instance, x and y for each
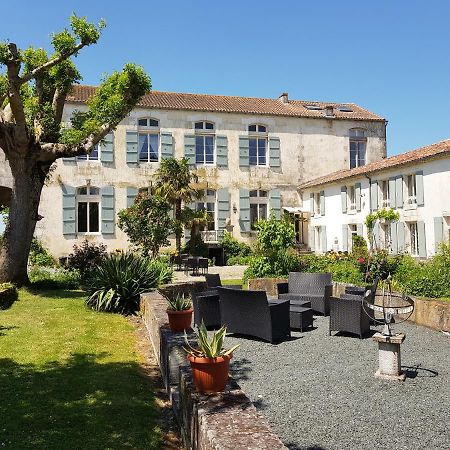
(411, 189)
(352, 230)
(204, 132)
(202, 204)
(88, 158)
(351, 198)
(318, 239)
(89, 199)
(358, 136)
(317, 203)
(386, 231)
(384, 193)
(149, 130)
(259, 135)
(413, 238)
(259, 199)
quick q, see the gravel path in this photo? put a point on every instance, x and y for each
(319, 392)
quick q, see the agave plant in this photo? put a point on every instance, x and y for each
(116, 284)
(181, 302)
(212, 348)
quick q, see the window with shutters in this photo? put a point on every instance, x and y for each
(88, 209)
(411, 189)
(358, 143)
(95, 155)
(316, 199)
(259, 205)
(208, 203)
(148, 140)
(352, 231)
(384, 193)
(413, 238)
(386, 236)
(257, 145)
(318, 239)
(351, 198)
(204, 142)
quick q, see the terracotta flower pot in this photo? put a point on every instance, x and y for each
(180, 320)
(210, 374)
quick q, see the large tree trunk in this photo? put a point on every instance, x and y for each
(28, 180)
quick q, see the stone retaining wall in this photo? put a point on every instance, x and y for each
(225, 421)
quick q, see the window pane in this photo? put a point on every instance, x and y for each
(262, 128)
(94, 190)
(82, 217)
(252, 128)
(253, 193)
(154, 123)
(94, 153)
(261, 151)
(253, 213)
(199, 150)
(200, 206)
(142, 122)
(199, 125)
(154, 145)
(263, 212)
(82, 157)
(93, 217)
(263, 193)
(361, 153)
(210, 192)
(252, 152)
(209, 126)
(82, 191)
(143, 147)
(209, 149)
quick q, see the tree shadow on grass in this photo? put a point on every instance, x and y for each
(83, 403)
(57, 293)
(3, 329)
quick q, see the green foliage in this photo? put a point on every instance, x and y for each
(39, 255)
(181, 302)
(275, 235)
(116, 284)
(43, 278)
(390, 215)
(233, 248)
(196, 246)
(147, 223)
(276, 265)
(8, 295)
(239, 260)
(86, 256)
(209, 348)
(359, 247)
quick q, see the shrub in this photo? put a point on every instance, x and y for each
(359, 247)
(276, 265)
(86, 256)
(39, 255)
(275, 235)
(116, 284)
(196, 247)
(239, 260)
(233, 248)
(42, 278)
(8, 295)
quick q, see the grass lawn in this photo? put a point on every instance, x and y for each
(71, 378)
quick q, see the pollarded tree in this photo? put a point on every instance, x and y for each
(33, 90)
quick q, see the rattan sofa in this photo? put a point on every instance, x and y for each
(301, 287)
(207, 309)
(213, 281)
(250, 313)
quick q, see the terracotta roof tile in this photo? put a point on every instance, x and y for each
(231, 104)
(439, 149)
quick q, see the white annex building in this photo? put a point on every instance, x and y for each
(416, 184)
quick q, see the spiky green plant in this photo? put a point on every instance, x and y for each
(212, 348)
(181, 302)
(116, 284)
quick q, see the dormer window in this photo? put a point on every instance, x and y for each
(257, 143)
(148, 130)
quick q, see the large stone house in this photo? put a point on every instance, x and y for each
(416, 184)
(251, 154)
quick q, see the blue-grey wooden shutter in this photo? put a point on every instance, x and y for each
(222, 151)
(399, 192)
(244, 210)
(107, 148)
(421, 238)
(132, 147)
(400, 237)
(345, 238)
(275, 203)
(323, 234)
(344, 198)
(376, 235)
(166, 145)
(322, 203)
(394, 240)
(392, 202)
(223, 207)
(311, 239)
(132, 192)
(438, 232)
(108, 210)
(358, 196)
(189, 148)
(419, 188)
(243, 151)
(274, 152)
(311, 203)
(69, 210)
(359, 229)
(374, 196)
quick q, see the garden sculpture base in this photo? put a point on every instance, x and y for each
(389, 356)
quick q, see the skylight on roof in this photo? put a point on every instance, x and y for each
(313, 107)
(344, 108)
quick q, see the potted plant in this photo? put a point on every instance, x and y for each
(210, 361)
(179, 311)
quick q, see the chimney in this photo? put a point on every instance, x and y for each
(329, 111)
(283, 98)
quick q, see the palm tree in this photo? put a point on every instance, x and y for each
(175, 182)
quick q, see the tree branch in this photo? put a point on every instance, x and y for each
(59, 98)
(44, 67)
(13, 69)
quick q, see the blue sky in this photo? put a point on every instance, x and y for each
(390, 57)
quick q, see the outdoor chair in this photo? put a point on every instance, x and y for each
(203, 265)
(303, 288)
(250, 313)
(359, 293)
(213, 281)
(207, 309)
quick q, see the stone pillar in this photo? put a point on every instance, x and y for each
(389, 356)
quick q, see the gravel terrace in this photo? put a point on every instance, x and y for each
(319, 392)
